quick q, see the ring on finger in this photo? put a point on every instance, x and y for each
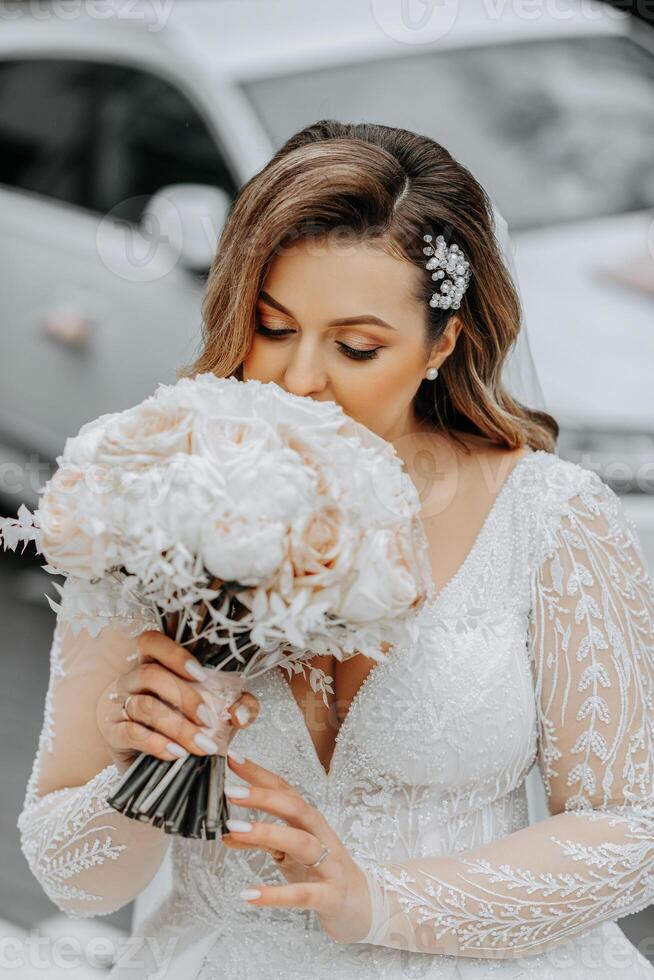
(124, 708)
(323, 854)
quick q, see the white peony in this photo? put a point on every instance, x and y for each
(236, 551)
(176, 497)
(272, 487)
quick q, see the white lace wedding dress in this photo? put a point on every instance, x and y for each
(540, 650)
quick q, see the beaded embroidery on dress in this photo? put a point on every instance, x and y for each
(539, 651)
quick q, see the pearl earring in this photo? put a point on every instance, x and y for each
(432, 373)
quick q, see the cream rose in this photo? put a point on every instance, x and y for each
(321, 546)
(74, 537)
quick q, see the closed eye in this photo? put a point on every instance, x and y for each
(352, 352)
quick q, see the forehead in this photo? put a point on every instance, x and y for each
(335, 272)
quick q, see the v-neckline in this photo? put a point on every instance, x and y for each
(437, 598)
(363, 686)
(484, 530)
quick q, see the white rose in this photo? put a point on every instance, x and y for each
(227, 440)
(382, 491)
(81, 450)
(204, 393)
(144, 435)
(286, 411)
(384, 584)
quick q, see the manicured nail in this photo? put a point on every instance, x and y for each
(236, 756)
(177, 750)
(204, 714)
(243, 714)
(240, 826)
(204, 742)
(196, 669)
(240, 792)
(250, 893)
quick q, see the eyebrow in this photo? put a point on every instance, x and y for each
(343, 321)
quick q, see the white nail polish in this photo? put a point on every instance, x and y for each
(243, 714)
(238, 792)
(204, 714)
(240, 826)
(250, 893)
(177, 750)
(204, 742)
(195, 669)
(236, 756)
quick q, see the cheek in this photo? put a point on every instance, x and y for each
(379, 392)
(262, 363)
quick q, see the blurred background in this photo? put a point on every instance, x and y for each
(126, 129)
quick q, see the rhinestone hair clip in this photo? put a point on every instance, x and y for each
(450, 261)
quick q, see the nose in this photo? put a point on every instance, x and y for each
(304, 374)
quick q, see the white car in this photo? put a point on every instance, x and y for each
(125, 134)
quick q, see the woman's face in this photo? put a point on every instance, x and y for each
(312, 296)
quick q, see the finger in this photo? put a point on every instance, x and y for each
(153, 678)
(256, 774)
(132, 735)
(302, 847)
(149, 711)
(156, 646)
(303, 895)
(244, 710)
(290, 806)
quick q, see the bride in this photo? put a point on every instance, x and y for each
(385, 834)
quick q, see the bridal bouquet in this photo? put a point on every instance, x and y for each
(258, 528)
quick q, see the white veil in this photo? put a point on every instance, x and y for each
(521, 380)
(520, 376)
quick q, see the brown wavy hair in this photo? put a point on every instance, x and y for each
(391, 186)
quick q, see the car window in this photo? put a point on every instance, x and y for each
(555, 129)
(103, 137)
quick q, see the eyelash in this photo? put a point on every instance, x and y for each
(351, 352)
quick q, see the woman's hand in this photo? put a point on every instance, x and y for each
(166, 709)
(336, 890)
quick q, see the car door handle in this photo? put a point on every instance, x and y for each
(70, 329)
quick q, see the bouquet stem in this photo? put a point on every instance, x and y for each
(185, 796)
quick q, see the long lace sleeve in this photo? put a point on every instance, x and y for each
(89, 859)
(591, 648)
